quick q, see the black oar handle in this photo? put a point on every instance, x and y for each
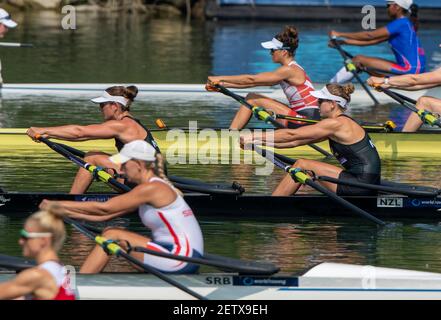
(397, 98)
(250, 268)
(379, 187)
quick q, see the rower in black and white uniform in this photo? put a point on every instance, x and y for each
(118, 124)
(348, 141)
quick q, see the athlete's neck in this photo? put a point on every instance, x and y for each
(46, 255)
(286, 61)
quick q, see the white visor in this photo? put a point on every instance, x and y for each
(138, 150)
(405, 4)
(326, 95)
(105, 97)
(5, 19)
(274, 44)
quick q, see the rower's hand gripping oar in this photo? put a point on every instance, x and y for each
(97, 172)
(262, 114)
(300, 176)
(350, 66)
(425, 116)
(112, 248)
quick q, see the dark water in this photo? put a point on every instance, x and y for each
(134, 49)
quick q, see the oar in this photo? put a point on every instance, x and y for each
(16, 45)
(299, 176)
(388, 126)
(15, 263)
(184, 184)
(350, 66)
(223, 263)
(425, 116)
(113, 248)
(385, 186)
(97, 172)
(263, 115)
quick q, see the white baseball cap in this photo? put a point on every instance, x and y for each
(138, 150)
(106, 97)
(5, 18)
(405, 4)
(274, 44)
(326, 95)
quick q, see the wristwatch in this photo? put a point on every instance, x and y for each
(386, 80)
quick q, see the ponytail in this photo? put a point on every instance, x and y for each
(159, 170)
(414, 16)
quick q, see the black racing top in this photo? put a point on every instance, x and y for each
(360, 158)
(149, 138)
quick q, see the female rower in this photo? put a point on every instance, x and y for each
(175, 229)
(291, 76)
(402, 37)
(349, 143)
(41, 238)
(118, 124)
(414, 82)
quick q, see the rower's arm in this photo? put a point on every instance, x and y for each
(26, 282)
(103, 211)
(365, 36)
(252, 80)
(106, 130)
(413, 82)
(289, 138)
(363, 43)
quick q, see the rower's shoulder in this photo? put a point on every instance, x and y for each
(33, 275)
(332, 122)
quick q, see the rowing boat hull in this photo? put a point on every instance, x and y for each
(192, 91)
(177, 143)
(257, 206)
(327, 281)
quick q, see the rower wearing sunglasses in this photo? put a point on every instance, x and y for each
(348, 141)
(293, 79)
(41, 238)
(118, 124)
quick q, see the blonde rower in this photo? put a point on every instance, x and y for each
(41, 238)
(161, 208)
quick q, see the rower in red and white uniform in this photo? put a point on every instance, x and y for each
(162, 210)
(293, 79)
(41, 238)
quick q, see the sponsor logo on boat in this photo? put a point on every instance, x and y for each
(4, 200)
(387, 202)
(92, 198)
(425, 203)
(258, 281)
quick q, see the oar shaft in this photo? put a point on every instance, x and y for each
(308, 181)
(119, 252)
(16, 45)
(102, 175)
(351, 67)
(344, 202)
(273, 121)
(379, 187)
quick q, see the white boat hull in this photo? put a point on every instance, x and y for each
(327, 281)
(190, 91)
